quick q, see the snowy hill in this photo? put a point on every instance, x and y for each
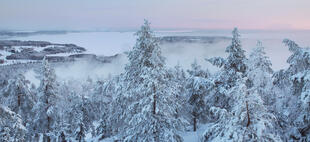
(147, 93)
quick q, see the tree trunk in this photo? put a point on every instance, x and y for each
(18, 100)
(154, 100)
(62, 137)
(18, 97)
(48, 117)
(48, 139)
(248, 113)
(156, 139)
(195, 124)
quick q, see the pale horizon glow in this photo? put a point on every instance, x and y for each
(163, 14)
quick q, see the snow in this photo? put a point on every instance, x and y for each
(261, 119)
(61, 54)
(4, 54)
(195, 136)
(100, 43)
(31, 75)
(9, 62)
(96, 139)
(111, 43)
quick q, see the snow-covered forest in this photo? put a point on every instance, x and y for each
(244, 101)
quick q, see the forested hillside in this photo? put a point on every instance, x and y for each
(244, 101)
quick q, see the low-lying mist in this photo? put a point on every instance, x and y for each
(182, 53)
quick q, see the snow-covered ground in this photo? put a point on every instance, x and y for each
(195, 136)
(189, 136)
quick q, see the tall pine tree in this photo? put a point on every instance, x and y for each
(260, 74)
(11, 126)
(45, 107)
(197, 87)
(296, 105)
(150, 112)
(247, 121)
(17, 96)
(231, 68)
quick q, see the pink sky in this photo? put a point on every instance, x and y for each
(179, 14)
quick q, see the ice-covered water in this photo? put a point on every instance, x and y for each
(110, 43)
(100, 43)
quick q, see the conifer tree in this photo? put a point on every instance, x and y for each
(296, 105)
(105, 92)
(45, 107)
(233, 64)
(17, 96)
(197, 86)
(80, 132)
(248, 120)
(11, 126)
(151, 104)
(231, 68)
(178, 79)
(260, 74)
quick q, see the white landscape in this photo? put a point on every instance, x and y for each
(111, 43)
(154, 71)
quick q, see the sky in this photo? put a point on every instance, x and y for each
(163, 14)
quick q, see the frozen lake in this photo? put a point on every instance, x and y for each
(110, 43)
(100, 43)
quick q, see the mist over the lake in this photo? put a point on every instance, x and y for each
(182, 53)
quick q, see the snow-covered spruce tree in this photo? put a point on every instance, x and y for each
(102, 97)
(297, 104)
(45, 108)
(88, 87)
(177, 78)
(260, 73)
(11, 126)
(149, 115)
(3, 80)
(104, 129)
(76, 110)
(80, 132)
(104, 91)
(83, 122)
(197, 88)
(247, 121)
(117, 111)
(226, 78)
(234, 63)
(17, 96)
(285, 107)
(68, 98)
(179, 74)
